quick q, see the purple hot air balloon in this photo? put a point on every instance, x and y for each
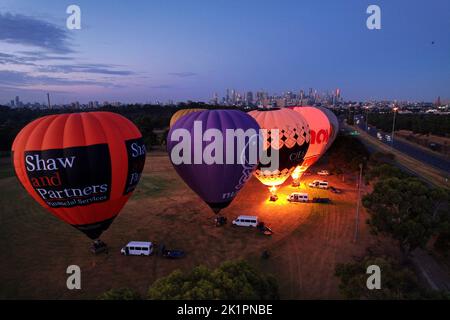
(215, 153)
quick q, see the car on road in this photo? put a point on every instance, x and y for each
(323, 173)
(320, 184)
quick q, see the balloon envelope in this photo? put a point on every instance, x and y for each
(334, 125)
(82, 167)
(293, 142)
(320, 129)
(216, 183)
(180, 113)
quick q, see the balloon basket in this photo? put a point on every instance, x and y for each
(98, 246)
(220, 221)
(296, 184)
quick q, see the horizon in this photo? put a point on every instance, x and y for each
(190, 51)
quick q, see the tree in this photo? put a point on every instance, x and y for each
(384, 171)
(347, 153)
(442, 242)
(397, 281)
(232, 280)
(405, 209)
(120, 294)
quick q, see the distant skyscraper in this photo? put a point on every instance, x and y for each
(48, 100)
(438, 101)
(17, 101)
(233, 96)
(249, 97)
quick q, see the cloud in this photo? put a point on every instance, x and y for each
(162, 86)
(42, 56)
(20, 79)
(6, 58)
(28, 58)
(183, 74)
(25, 30)
(86, 68)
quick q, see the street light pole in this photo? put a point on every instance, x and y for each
(367, 119)
(393, 126)
(358, 200)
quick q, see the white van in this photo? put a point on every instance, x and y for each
(246, 221)
(298, 197)
(321, 184)
(137, 248)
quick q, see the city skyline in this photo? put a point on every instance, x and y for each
(188, 51)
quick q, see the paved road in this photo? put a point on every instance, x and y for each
(408, 149)
(434, 274)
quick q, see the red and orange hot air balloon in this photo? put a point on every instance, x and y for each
(82, 167)
(320, 129)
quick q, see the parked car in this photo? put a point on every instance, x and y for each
(335, 190)
(246, 221)
(171, 253)
(137, 248)
(323, 173)
(321, 200)
(298, 197)
(264, 229)
(321, 184)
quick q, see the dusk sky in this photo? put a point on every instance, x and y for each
(139, 51)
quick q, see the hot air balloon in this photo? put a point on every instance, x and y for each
(82, 167)
(212, 163)
(334, 125)
(320, 128)
(292, 145)
(177, 115)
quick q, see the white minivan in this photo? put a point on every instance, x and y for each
(137, 248)
(246, 221)
(321, 184)
(298, 197)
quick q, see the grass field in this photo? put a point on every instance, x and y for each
(308, 240)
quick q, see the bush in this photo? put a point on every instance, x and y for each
(232, 280)
(397, 281)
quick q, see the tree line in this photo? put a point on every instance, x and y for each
(418, 123)
(148, 118)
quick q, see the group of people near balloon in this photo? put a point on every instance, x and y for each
(83, 167)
